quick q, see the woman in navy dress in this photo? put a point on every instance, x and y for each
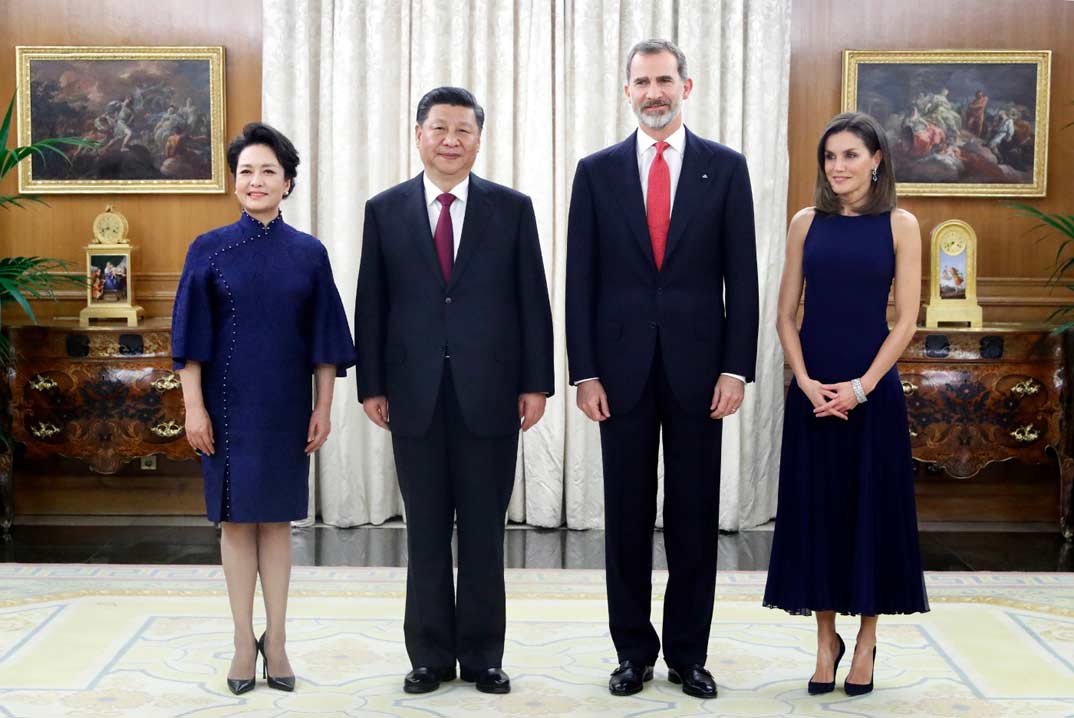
(257, 314)
(846, 527)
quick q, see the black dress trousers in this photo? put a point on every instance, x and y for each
(446, 474)
(630, 444)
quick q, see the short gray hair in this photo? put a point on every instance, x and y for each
(655, 47)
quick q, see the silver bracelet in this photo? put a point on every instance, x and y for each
(859, 393)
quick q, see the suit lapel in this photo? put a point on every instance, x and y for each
(416, 216)
(626, 185)
(693, 185)
(475, 220)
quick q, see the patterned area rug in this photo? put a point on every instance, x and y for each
(86, 641)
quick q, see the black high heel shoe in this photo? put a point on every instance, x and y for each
(238, 686)
(280, 683)
(818, 687)
(860, 689)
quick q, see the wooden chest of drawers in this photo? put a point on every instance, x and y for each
(105, 395)
(976, 396)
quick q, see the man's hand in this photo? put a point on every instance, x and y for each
(726, 397)
(592, 400)
(531, 408)
(376, 408)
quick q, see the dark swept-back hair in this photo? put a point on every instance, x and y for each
(881, 197)
(258, 133)
(656, 46)
(457, 96)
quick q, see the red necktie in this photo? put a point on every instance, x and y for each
(658, 210)
(445, 235)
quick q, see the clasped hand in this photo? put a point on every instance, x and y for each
(830, 399)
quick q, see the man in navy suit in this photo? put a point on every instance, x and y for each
(454, 335)
(661, 339)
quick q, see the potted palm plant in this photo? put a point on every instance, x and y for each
(23, 279)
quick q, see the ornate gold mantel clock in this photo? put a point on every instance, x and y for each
(953, 284)
(110, 288)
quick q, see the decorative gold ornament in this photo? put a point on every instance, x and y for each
(42, 383)
(1029, 387)
(1025, 434)
(167, 383)
(167, 429)
(44, 430)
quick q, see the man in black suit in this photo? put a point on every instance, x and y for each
(454, 334)
(661, 338)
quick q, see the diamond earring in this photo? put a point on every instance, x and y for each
(874, 174)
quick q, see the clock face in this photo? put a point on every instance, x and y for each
(110, 227)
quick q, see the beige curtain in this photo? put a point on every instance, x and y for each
(342, 78)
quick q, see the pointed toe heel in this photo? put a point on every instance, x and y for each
(860, 689)
(238, 686)
(820, 687)
(280, 683)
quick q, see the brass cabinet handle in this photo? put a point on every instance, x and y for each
(1025, 434)
(1029, 387)
(44, 430)
(167, 429)
(908, 388)
(42, 383)
(167, 383)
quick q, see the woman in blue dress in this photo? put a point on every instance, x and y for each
(257, 314)
(846, 526)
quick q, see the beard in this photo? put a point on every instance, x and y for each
(658, 121)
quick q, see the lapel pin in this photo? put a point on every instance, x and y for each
(704, 176)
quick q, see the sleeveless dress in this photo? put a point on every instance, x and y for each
(846, 524)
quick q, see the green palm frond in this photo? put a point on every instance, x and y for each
(1051, 225)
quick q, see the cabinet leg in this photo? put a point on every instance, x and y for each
(1066, 499)
(7, 494)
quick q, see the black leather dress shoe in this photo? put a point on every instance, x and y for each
(490, 680)
(425, 680)
(628, 678)
(695, 680)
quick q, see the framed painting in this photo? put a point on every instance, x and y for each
(156, 115)
(959, 122)
(953, 279)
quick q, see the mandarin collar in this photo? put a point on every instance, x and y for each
(255, 226)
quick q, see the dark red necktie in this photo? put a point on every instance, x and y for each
(445, 235)
(658, 209)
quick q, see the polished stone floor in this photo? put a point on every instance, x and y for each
(944, 547)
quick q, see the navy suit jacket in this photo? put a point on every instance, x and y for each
(702, 303)
(493, 318)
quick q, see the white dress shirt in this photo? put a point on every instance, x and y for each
(673, 156)
(458, 208)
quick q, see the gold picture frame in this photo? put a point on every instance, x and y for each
(157, 114)
(953, 276)
(961, 123)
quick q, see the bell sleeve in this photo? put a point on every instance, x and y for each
(330, 340)
(192, 314)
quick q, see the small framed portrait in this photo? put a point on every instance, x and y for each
(156, 115)
(953, 282)
(959, 122)
(108, 280)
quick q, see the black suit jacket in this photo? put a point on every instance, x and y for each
(493, 318)
(702, 303)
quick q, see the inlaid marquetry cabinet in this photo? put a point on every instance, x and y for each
(106, 395)
(976, 396)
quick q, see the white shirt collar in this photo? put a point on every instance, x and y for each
(677, 140)
(461, 190)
